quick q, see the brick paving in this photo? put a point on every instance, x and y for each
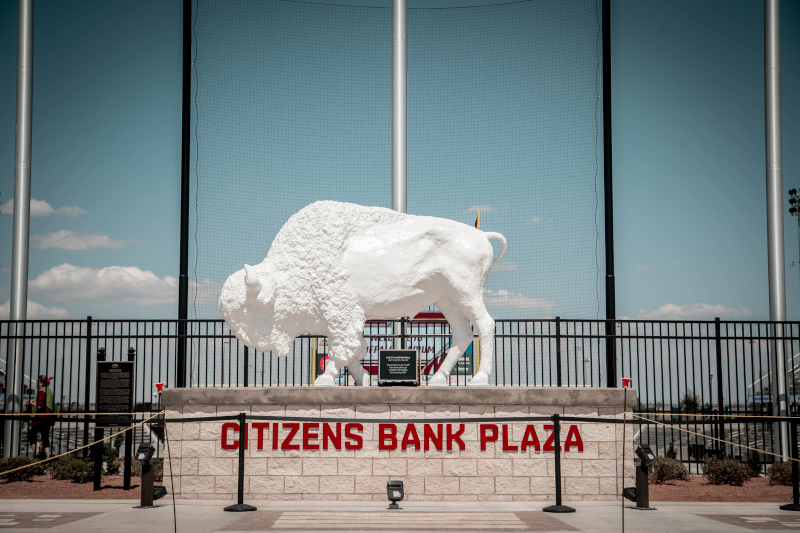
(39, 520)
(758, 523)
(305, 521)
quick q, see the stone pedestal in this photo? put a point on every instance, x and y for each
(491, 461)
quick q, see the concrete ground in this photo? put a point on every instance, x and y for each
(84, 516)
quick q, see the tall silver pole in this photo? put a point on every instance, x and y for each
(399, 105)
(777, 278)
(21, 231)
(399, 116)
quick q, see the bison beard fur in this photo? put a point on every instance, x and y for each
(335, 265)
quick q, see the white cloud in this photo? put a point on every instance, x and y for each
(643, 267)
(697, 311)
(112, 285)
(503, 299)
(36, 311)
(504, 266)
(69, 240)
(482, 208)
(40, 208)
(72, 211)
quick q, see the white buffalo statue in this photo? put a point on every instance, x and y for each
(334, 265)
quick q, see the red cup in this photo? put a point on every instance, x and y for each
(626, 382)
(160, 387)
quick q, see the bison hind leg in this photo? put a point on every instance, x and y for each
(462, 337)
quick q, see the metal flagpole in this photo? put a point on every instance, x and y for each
(399, 117)
(611, 309)
(777, 279)
(183, 276)
(22, 204)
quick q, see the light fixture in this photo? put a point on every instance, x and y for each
(395, 493)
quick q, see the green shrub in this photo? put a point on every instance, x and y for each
(666, 469)
(671, 453)
(73, 469)
(136, 468)
(780, 473)
(754, 462)
(24, 474)
(690, 403)
(726, 471)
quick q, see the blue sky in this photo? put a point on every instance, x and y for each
(689, 185)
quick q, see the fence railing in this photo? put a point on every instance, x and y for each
(679, 368)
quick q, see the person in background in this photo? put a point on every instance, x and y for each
(41, 425)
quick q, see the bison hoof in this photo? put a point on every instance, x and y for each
(324, 381)
(481, 378)
(439, 380)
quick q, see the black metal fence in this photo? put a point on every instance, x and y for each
(678, 368)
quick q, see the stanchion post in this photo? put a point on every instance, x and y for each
(558, 508)
(795, 505)
(240, 506)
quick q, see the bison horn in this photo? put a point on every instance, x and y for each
(252, 280)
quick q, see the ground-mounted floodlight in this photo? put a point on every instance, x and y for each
(642, 491)
(144, 453)
(646, 455)
(395, 493)
(159, 491)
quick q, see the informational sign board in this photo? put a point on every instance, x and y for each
(114, 392)
(398, 367)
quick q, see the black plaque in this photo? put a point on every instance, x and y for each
(114, 392)
(398, 367)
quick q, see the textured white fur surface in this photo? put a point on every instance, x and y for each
(334, 265)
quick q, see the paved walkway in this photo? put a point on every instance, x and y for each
(84, 516)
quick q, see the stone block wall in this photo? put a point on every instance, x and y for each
(202, 469)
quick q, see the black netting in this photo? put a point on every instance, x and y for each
(293, 105)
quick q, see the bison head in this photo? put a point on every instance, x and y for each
(247, 304)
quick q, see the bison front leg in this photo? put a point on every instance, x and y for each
(356, 369)
(328, 378)
(359, 373)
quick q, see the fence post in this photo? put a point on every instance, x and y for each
(720, 397)
(240, 506)
(611, 354)
(795, 505)
(97, 449)
(126, 472)
(558, 350)
(558, 508)
(247, 366)
(87, 385)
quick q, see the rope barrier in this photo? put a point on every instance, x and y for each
(717, 439)
(715, 416)
(82, 447)
(589, 420)
(78, 413)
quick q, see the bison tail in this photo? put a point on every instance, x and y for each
(496, 236)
